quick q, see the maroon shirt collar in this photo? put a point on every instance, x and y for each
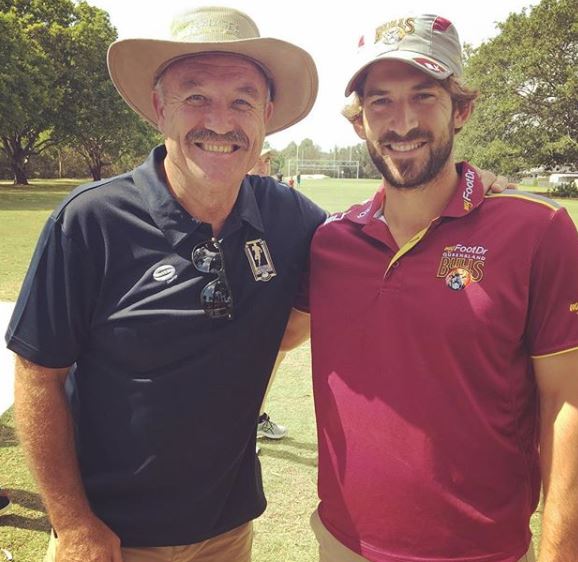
(468, 195)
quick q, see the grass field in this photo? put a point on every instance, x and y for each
(289, 466)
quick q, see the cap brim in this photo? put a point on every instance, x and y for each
(133, 64)
(430, 66)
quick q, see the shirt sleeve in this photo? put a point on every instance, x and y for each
(51, 318)
(553, 308)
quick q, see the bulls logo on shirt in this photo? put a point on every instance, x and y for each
(462, 264)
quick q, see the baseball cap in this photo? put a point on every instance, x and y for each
(428, 42)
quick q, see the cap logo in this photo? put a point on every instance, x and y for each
(394, 31)
(430, 64)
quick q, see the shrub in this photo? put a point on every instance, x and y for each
(567, 189)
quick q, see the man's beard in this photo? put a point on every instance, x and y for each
(410, 173)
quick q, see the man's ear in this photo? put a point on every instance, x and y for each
(462, 114)
(268, 111)
(359, 127)
(158, 107)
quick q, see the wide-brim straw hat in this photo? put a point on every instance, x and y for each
(135, 64)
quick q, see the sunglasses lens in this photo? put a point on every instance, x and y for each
(207, 258)
(216, 300)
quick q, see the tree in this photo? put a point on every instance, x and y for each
(526, 115)
(97, 122)
(55, 89)
(30, 81)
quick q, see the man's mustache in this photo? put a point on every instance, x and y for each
(413, 135)
(206, 136)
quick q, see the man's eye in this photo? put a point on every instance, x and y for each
(242, 104)
(425, 96)
(380, 101)
(196, 99)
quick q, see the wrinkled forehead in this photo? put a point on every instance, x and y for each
(218, 64)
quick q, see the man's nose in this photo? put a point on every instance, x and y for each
(219, 118)
(403, 119)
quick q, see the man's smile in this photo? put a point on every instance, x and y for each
(223, 148)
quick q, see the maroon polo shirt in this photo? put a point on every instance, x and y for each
(425, 395)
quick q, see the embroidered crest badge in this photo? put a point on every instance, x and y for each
(260, 260)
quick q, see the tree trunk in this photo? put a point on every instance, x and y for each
(12, 147)
(59, 163)
(19, 170)
(96, 170)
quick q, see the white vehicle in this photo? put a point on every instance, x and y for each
(569, 177)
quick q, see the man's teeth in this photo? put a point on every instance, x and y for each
(404, 146)
(226, 148)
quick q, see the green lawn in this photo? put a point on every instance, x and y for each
(289, 466)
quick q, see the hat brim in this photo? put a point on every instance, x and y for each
(133, 64)
(434, 68)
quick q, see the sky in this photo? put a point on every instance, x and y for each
(327, 31)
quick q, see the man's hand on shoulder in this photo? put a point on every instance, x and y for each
(493, 183)
(90, 541)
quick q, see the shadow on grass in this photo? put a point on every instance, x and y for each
(39, 196)
(29, 501)
(279, 450)
(39, 202)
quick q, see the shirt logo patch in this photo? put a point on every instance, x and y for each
(165, 273)
(461, 265)
(574, 307)
(260, 260)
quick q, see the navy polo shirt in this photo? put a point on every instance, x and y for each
(165, 399)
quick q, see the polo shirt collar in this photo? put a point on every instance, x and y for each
(468, 195)
(168, 214)
(368, 210)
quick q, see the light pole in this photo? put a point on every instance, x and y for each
(297, 167)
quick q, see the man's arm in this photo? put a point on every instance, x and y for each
(297, 331)
(46, 432)
(557, 378)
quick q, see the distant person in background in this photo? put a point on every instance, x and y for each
(266, 427)
(291, 182)
(298, 178)
(263, 165)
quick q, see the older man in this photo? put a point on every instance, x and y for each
(444, 335)
(159, 297)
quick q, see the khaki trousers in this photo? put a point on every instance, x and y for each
(331, 550)
(232, 546)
